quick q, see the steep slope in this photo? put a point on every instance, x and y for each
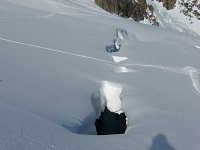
(179, 15)
(183, 16)
(133, 9)
(56, 76)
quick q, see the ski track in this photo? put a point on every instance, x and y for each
(58, 51)
(27, 17)
(191, 72)
(42, 17)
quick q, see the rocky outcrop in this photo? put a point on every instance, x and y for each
(139, 10)
(190, 8)
(149, 15)
(125, 8)
(134, 9)
(168, 4)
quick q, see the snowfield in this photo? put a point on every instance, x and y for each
(56, 76)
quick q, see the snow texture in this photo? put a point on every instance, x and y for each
(53, 59)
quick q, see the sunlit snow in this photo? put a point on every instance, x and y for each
(56, 76)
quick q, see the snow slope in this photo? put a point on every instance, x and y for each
(175, 19)
(54, 67)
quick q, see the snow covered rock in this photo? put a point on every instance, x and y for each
(179, 15)
(126, 8)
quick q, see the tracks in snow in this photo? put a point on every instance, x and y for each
(55, 50)
(110, 93)
(112, 114)
(27, 17)
(192, 73)
(121, 34)
(117, 42)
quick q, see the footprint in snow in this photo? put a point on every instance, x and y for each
(121, 34)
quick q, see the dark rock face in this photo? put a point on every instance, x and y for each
(139, 9)
(125, 8)
(168, 4)
(110, 123)
(135, 9)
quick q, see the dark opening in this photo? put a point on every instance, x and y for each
(110, 123)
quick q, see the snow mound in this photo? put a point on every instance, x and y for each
(111, 94)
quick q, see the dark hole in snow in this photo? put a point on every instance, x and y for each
(111, 123)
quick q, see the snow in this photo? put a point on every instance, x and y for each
(198, 47)
(122, 69)
(119, 59)
(194, 76)
(55, 50)
(175, 19)
(111, 93)
(55, 75)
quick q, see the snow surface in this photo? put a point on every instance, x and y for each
(111, 94)
(119, 59)
(53, 60)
